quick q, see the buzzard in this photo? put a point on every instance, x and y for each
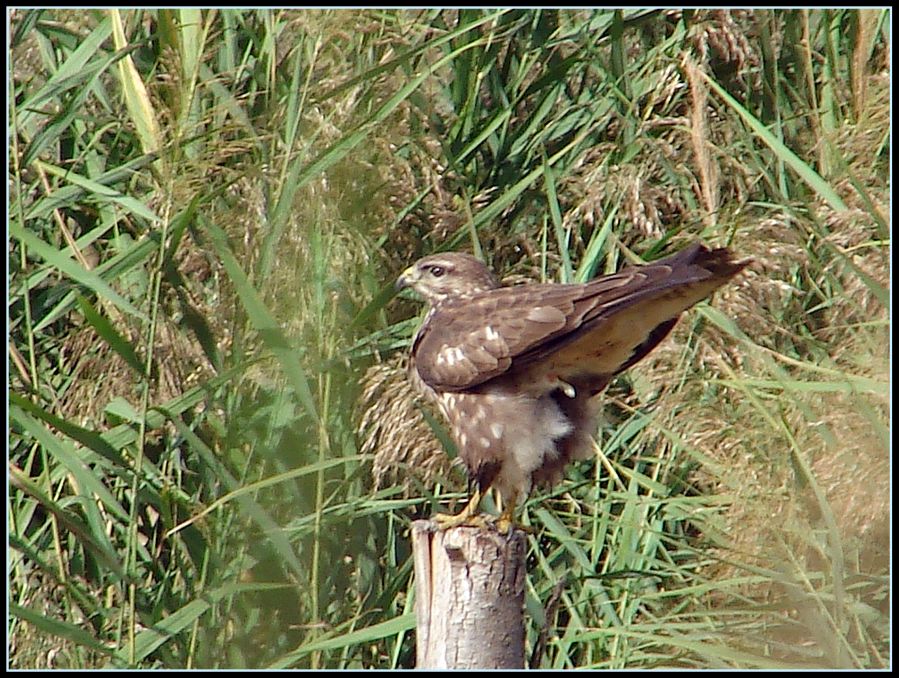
(515, 371)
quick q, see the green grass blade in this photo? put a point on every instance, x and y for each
(73, 270)
(814, 180)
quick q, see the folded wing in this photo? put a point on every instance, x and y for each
(575, 333)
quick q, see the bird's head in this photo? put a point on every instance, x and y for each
(447, 275)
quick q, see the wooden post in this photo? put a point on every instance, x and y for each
(469, 597)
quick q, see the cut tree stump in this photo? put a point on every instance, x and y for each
(469, 597)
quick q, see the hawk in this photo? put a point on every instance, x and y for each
(515, 371)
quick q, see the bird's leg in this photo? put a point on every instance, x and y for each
(467, 516)
(506, 521)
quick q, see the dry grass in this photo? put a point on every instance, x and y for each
(250, 502)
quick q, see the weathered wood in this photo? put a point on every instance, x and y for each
(469, 597)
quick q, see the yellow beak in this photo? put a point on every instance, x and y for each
(408, 278)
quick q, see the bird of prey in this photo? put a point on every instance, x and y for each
(515, 371)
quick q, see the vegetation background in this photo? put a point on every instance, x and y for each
(214, 456)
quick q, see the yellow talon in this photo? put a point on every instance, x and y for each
(506, 521)
(468, 516)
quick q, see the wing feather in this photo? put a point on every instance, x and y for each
(612, 321)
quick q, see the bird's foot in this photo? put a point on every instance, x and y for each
(468, 517)
(446, 521)
(505, 524)
(506, 521)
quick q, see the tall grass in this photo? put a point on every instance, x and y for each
(214, 457)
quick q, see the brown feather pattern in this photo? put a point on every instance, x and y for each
(515, 370)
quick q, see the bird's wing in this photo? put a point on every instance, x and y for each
(539, 333)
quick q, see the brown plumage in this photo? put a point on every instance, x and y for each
(516, 370)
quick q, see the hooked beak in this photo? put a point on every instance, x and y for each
(408, 278)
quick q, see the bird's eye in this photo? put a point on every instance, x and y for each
(437, 271)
